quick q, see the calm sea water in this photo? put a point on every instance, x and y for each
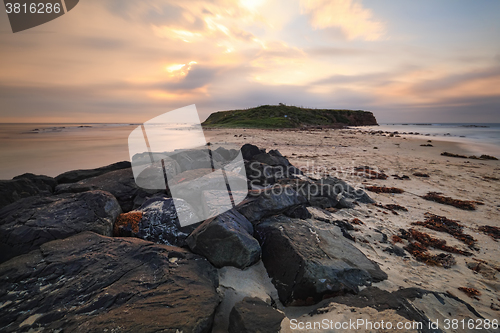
(476, 138)
(52, 149)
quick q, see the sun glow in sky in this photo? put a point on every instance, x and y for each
(128, 61)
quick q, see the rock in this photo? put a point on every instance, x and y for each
(226, 240)
(93, 283)
(119, 183)
(77, 175)
(248, 151)
(328, 192)
(413, 304)
(16, 189)
(44, 183)
(30, 222)
(156, 221)
(309, 260)
(253, 315)
(207, 191)
(394, 249)
(270, 201)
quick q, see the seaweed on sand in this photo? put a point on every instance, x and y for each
(392, 207)
(378, 189)
(471, 292)
(370, 173)
(443, 224)
(493, 232)
(462, 204)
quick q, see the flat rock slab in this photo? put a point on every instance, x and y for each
(30, 222)
(252, 315)
(226, 240)
(93, 283)
(309, 260)
(120, 183)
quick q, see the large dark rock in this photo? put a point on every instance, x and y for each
(16, 189)
(156, 221)
(92, 283)
(411, 303)
(77, 175)
(120, 183)
(252, 315)
(248, 151)
(309, 260)
(44, 183)
(23, 186)
(270, 201)
(328, 192)
(226, 240)
(30, 222)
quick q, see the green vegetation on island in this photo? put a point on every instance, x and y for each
(287, 116)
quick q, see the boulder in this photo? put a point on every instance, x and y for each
(248, 151)
(328, 192)
(226, 240)
(16, 189)
(309, 260)
(120, 183)
(30, 222)
(44, 183)
(253, 315)
(93, 283)
(261, 174)
(77, 175)
(270, 201)
(414, 304)
(156, 221)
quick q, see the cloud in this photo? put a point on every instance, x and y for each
(355, 21)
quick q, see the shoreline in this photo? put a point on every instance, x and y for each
(465, 179)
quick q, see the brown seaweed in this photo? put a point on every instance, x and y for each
(378, 189)
(471, 292)
(443, 224)
(462, 204)
(420, 174)
(493, 232)
(370, 173)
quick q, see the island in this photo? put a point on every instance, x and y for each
(288, 116)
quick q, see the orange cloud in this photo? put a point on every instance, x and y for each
(349, 15)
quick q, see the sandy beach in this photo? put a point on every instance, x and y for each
(339, 151)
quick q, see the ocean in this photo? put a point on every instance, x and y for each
(52, 149)
(475, 138)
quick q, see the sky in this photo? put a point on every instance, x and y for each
(128, 61)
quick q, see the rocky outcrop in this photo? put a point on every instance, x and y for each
(120, 183)
(30, 222)
(44, 183)
(253, 315)
(92, 283)
(24, 186)
(270, 201)
(226, 240)
(411, 303)
(156, 221)
(309, 260)
(77, 175)
(328, 192)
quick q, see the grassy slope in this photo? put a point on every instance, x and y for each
(273, 116)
